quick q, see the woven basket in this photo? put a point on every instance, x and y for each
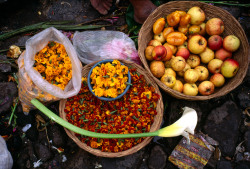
(155, 126)
(232, 26)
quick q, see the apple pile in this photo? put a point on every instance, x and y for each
(189, 55)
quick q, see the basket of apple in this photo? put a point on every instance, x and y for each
(194, 51)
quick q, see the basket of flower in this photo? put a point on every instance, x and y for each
(193, 50)
(132, 104)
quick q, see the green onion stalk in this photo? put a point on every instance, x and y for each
(185, 125)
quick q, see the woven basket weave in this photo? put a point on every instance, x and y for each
(155, 126)
(232, 26)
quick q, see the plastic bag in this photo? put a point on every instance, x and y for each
(31, 83)
(6, 160)
(98, 45)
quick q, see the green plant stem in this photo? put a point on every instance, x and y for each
(226, 3)
(44, 25)
(13, 111)
(7, 62)
(81, 131)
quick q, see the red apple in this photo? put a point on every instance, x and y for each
(222, 54)
(206, 88)
(231, 43)
(214, 26)
(197, 44)
(229, 68)
(215, 42)
(214, 66)
(217, 79)
(169, 53)
(183, 52)
(159, 53)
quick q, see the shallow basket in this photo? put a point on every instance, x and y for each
(232, 26)
(155, 126)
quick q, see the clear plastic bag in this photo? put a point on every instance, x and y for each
(6, 160)
(98, 45)
(31, 83)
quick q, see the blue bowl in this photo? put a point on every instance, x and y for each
(107, 98)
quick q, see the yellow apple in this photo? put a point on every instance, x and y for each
(190, 89)
(197, 15)
(181, 73)
(148, 53)
(193, 60)
(203, 72)
(157, 68)
(168, 80)
(178, 63)
(207, 55)
(191, 76)
(178, 86)
(170, 71)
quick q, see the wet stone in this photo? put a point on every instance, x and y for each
(23, 119)
(233, 10)
(130, 161)
(242, 166)
(157, 159)
(78, 160)
(4, 67)
(247, 142)
(43, 152)
(57, 136)
(32, 133)
(245, 23)
(244, 97)
(7, 95)
(224, 165)
(222, 124)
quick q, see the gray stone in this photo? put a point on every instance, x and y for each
(78, 160)
(7, 95)
(222, 124)
(243, 166)
(57, 136)
(224, 165)
(157, 158)
(233, 10)
(245, 23)
(244, 97)
(4, 67)
(130, 161)
(43, 152)
(247, 140)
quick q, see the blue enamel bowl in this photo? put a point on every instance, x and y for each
(107, 98)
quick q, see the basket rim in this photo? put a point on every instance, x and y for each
(170, 91)
(134, 149)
